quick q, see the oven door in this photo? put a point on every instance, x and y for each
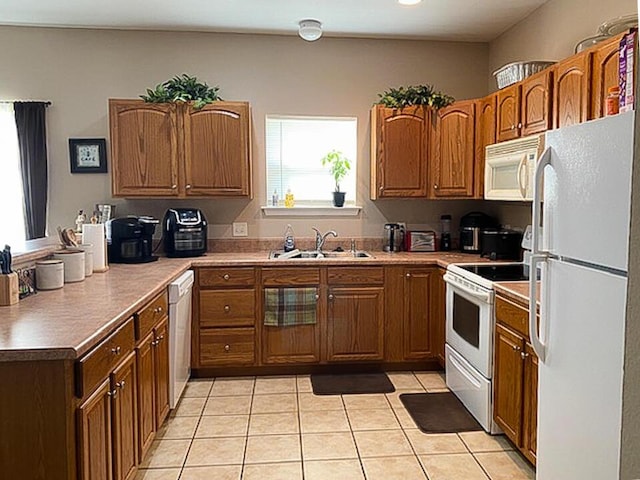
(470, 325)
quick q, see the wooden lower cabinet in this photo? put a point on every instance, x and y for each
(515, 380)
(161, 364)
(355, 328)
(94, 435)
(146, 394)
(227, 347)
(417, 330)
(124, 415)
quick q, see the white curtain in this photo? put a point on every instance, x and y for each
(12, 229)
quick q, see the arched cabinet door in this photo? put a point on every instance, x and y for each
(399, 151)
(571, 93)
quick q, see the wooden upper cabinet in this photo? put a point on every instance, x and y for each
(485, 135)
(399, 151)
(216, 150)
(571, 90)
(453, 151)
(508, 113)
(174, 150)
(604, 74)
(535, 103)
(144, 148)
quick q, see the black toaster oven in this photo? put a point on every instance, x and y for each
(184, 232)
(500, 244)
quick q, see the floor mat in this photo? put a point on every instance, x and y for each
(345, 384)
(439, 413)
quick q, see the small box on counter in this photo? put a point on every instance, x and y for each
(420, 241)
(627, 70)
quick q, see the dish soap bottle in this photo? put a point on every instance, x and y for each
(288, 199)
(289, 242)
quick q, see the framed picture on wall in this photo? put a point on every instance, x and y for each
(88, 155)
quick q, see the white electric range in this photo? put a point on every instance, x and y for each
(470, 323)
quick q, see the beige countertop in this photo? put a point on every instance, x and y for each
(517, 292)
(66, 323)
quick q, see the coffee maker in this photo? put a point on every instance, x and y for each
(130, 239)
(393, 240)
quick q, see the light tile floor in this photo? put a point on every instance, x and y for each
(275, 428)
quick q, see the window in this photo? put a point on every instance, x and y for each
(294, 149)
(12, 229)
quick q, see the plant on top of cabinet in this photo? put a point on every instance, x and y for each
(339, 166)
(183, 88)
(414, 95)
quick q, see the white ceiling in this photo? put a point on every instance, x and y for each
(466, 20)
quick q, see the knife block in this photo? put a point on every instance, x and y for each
(9, 293)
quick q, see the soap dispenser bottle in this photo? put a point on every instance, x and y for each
(289, 241)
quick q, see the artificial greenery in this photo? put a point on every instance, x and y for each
(182, 88)
(339, 166)
(414, 95)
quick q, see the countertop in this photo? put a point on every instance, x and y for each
(66, 323)
(517, 292)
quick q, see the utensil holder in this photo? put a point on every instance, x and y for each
(9, 292)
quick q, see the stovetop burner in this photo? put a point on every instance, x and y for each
(499, 273)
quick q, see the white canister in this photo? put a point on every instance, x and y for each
(49, 274)
(87, 248)
(73, 260)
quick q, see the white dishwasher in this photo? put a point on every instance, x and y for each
(179, 335)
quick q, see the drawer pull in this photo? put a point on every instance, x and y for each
(157, 310)
(116, 350)
(524, 355)
(516, 348)
(331, 296)
(120, 385)
(227, 348)
(226, 276)
(227, 308)
(113, 393)
(160, 338)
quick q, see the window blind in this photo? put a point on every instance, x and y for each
(294, 149)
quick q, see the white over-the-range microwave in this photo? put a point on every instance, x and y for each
(510, 168)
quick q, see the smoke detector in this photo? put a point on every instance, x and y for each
(310, 30)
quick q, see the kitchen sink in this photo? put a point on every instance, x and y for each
(314, 254)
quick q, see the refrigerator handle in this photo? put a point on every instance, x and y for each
(538, 347)
(537, 256)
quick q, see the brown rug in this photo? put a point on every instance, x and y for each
(346, 384)
(439, 413)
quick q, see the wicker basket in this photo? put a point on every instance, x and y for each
(517, 71)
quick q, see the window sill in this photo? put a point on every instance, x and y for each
(311, 211)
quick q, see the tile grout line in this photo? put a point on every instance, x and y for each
(246, 437)
(299, 426)
(353, 437)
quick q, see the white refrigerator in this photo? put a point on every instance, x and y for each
(581, 215)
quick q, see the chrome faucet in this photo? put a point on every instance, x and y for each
(320, 238)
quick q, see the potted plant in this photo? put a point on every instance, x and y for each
(182, 88)
(414, 95)
(339, 166)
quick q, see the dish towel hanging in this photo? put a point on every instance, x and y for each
(290, 306)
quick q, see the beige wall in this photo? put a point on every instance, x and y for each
(553, 30)
(78, 70)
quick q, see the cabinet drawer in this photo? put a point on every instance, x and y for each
(227, 308)
(150, 315)
(96, 365)
(355, 275)
(226, 277)
(227, 346)
(512, 315)
(285, 277)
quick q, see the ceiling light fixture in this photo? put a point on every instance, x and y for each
(310, 30)
(409, 2)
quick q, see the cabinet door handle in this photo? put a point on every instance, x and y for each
(408, 275)
(187, 186)
(381, 189)
(154, 343)
(331, 296)
(113, 393)
(520, 125)
(174, 186)
(317, 296)
(524, 355)
(226, 276)
(227, 348)
(516, 348)
(120, 385)
(227, 308)
(116, 350)
(435, 187)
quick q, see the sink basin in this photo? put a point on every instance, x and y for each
(313, 254)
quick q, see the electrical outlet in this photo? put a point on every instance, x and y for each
(240, 229)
